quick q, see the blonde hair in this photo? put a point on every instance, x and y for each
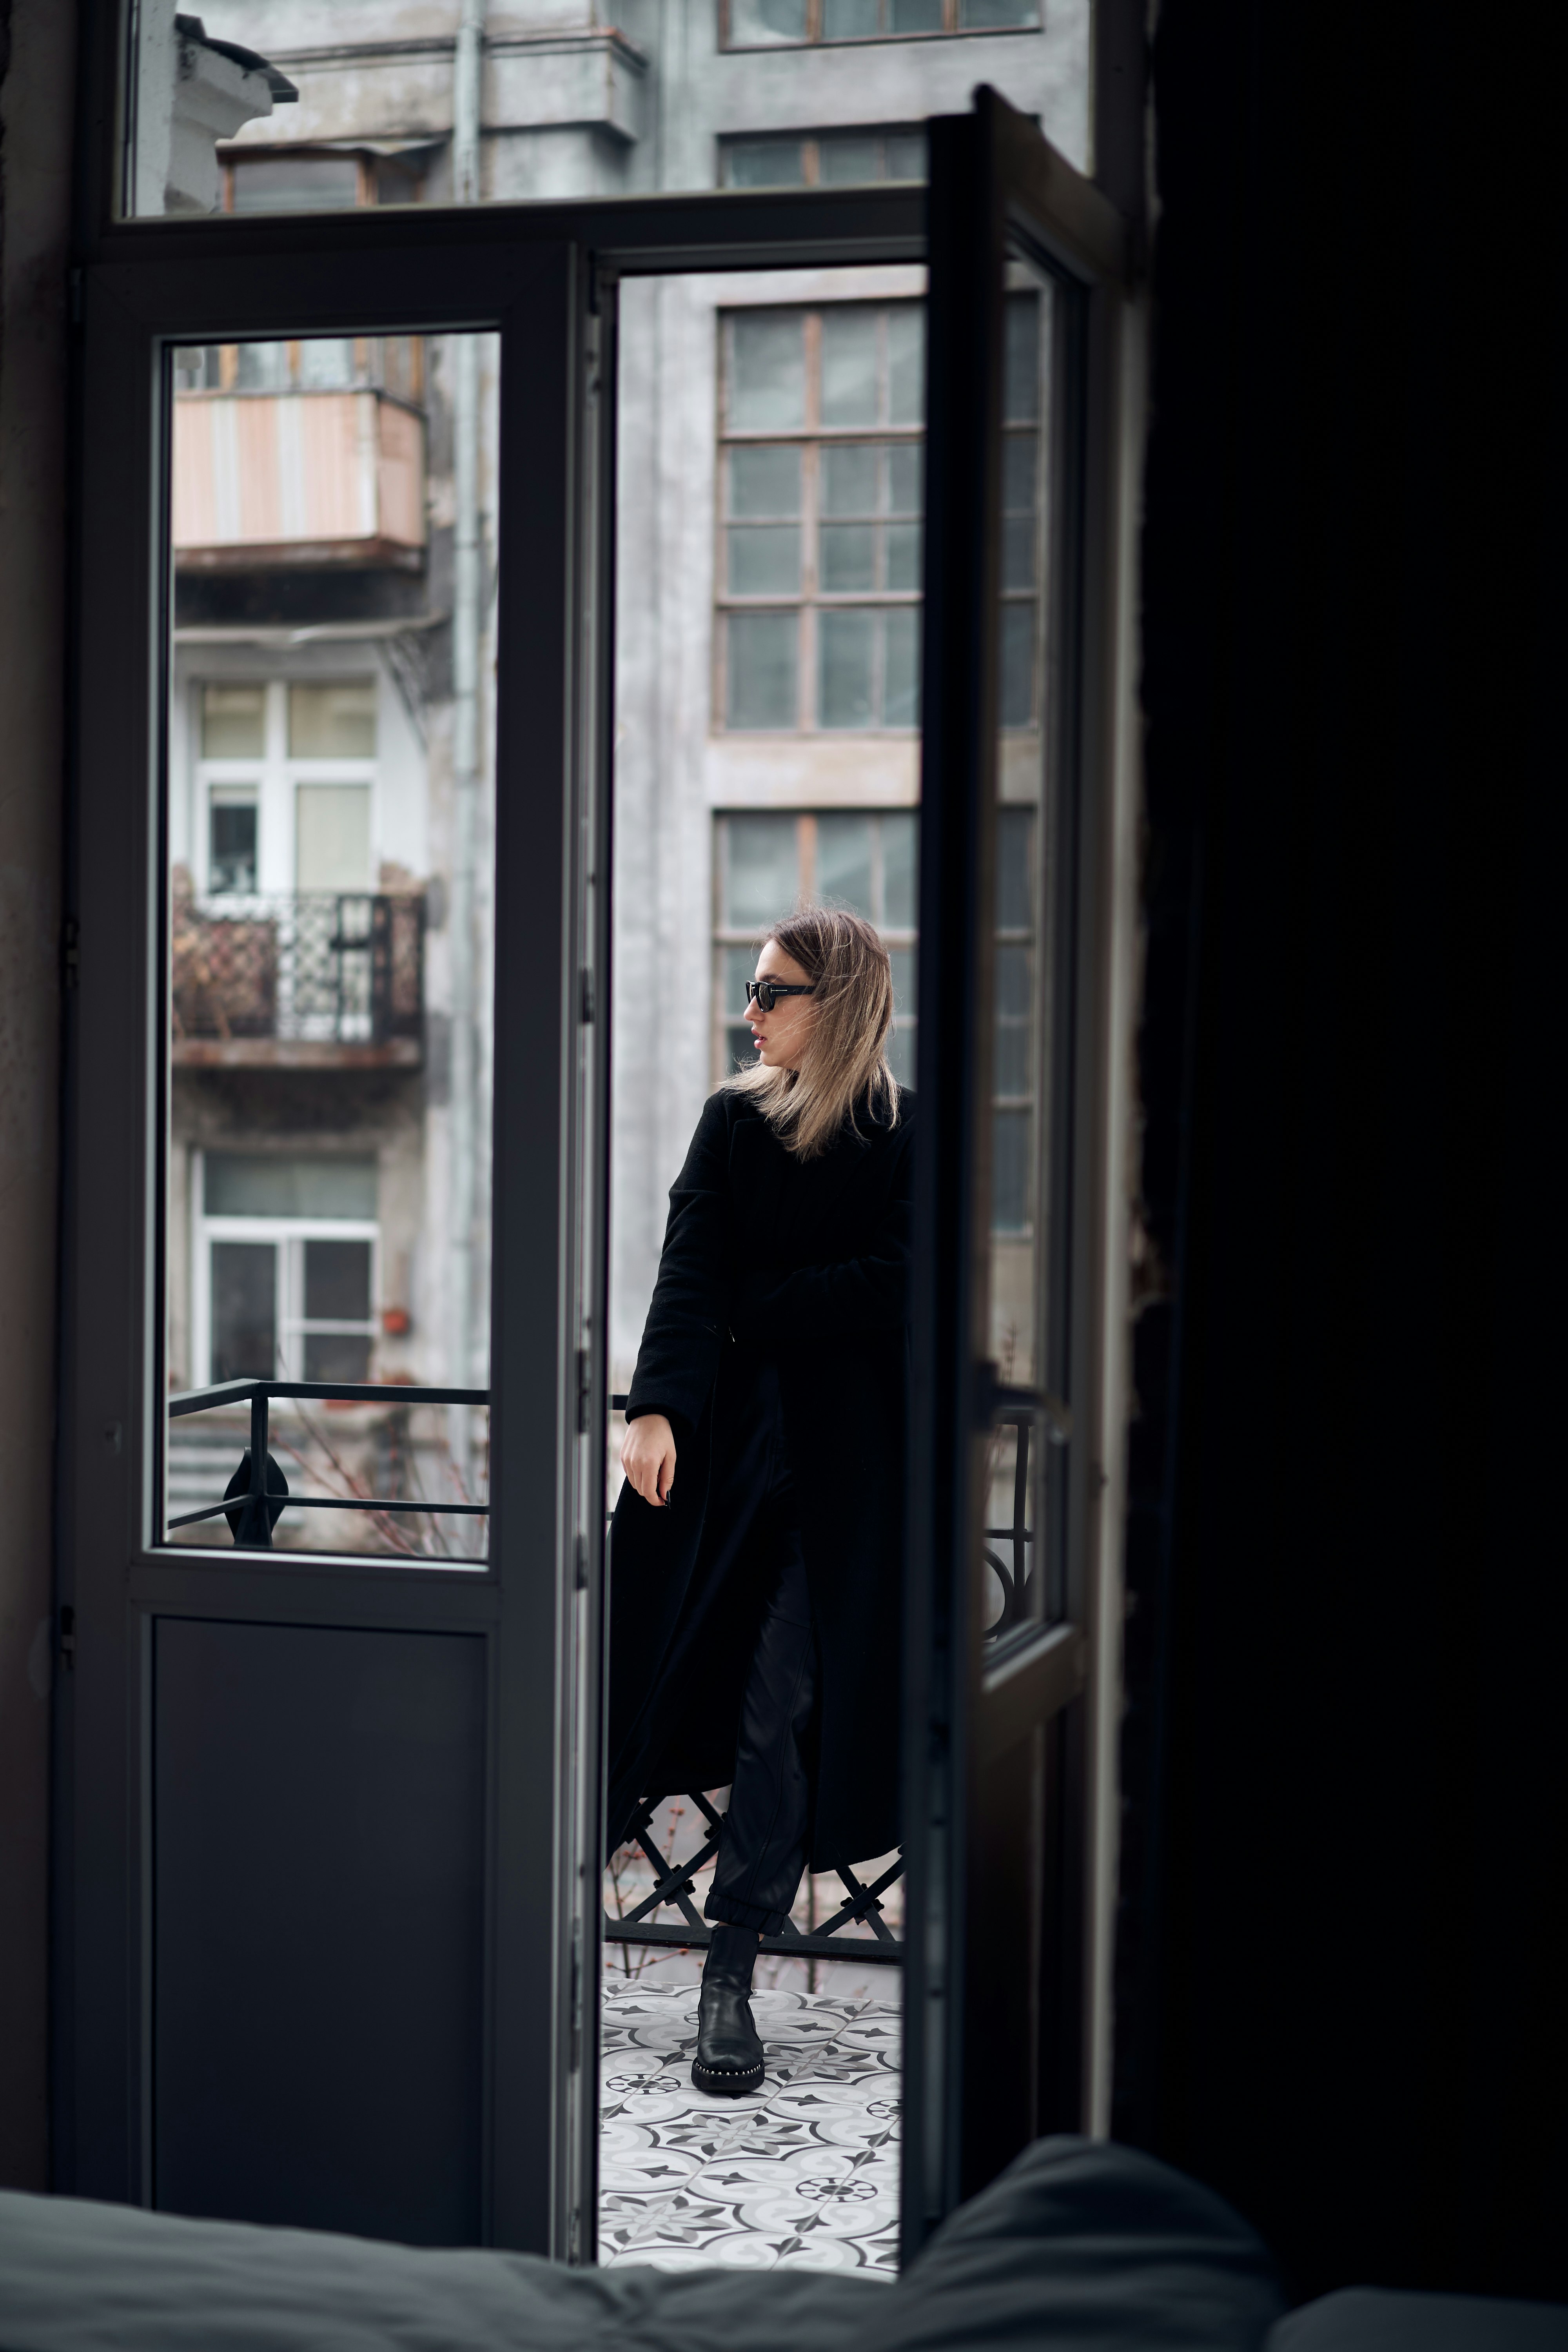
(845, 1065)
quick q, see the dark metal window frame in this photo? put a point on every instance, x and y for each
(141, 288)
(543, 278)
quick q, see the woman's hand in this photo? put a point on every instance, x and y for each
(648, 1457)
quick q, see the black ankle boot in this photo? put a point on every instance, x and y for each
(729, 2058)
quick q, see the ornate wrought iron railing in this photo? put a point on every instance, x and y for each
(321, 966)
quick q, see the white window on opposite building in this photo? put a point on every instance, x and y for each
(285, 787)
(286, 1277)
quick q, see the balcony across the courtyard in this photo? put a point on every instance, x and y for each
(318, 979)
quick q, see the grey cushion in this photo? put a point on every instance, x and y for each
(80, 2277)
(1377, 2319)
(1079, 2245)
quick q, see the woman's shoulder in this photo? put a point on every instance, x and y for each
(725, 1109)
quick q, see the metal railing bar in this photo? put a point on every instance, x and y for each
(851, 1950)
(326, 1391)
(864, 1905)
(332, 1503)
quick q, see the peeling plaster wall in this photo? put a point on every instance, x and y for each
(38, 42)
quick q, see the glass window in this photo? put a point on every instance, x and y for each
(761, 650)
(763, 163)
(828, 522)
(850, 339)
(1026, 321)
(244, 1310)
(289, 1297)
(1028, 1300)
(761, 23)
(261, 367)
(844, 862)
(760, 870)
(233, 722)
(767, 371)
(826, 159)
(263, 1184)
(231, 844)
(331, 837)
(753, 23)
(763, 542)
(333, 722)
(294, 183)
(766, 864)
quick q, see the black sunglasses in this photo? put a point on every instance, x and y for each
(768, 991)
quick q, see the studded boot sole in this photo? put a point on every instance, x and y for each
(728, 2061)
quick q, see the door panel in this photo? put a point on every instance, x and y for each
(1027, 280)
(310, 1854)
(319, 1895)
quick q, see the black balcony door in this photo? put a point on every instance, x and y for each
(1022, 1069)
(321, 1948)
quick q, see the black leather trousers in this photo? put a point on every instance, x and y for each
(765, 1839)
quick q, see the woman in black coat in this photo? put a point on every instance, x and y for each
(756, 1595)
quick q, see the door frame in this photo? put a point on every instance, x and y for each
(543, 277)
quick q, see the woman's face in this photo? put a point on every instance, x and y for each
(780, 1035)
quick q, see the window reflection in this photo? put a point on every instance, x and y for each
(326, 1217)
(253, 110)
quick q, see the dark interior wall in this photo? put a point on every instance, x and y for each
(1343, 1961)
(37, 54)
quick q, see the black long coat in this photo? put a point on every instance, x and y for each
(805, 1264)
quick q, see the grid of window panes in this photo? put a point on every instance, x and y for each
(769, 24)
(1012, 1068)
(1020, 686)
(766, 864)
(823, 158)
(820, 501)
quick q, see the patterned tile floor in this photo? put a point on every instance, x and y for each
(804, 2173)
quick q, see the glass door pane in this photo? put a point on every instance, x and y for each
(1027, 941)
(770, 471)
(330, 817)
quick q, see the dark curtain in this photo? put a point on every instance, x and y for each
(1343, 1974)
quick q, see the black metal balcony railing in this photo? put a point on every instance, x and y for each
(257, 976)
(259, 1495)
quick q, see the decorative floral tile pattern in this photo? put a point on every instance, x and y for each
(803, 2174)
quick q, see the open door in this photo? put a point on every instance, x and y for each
(1024, 1046)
